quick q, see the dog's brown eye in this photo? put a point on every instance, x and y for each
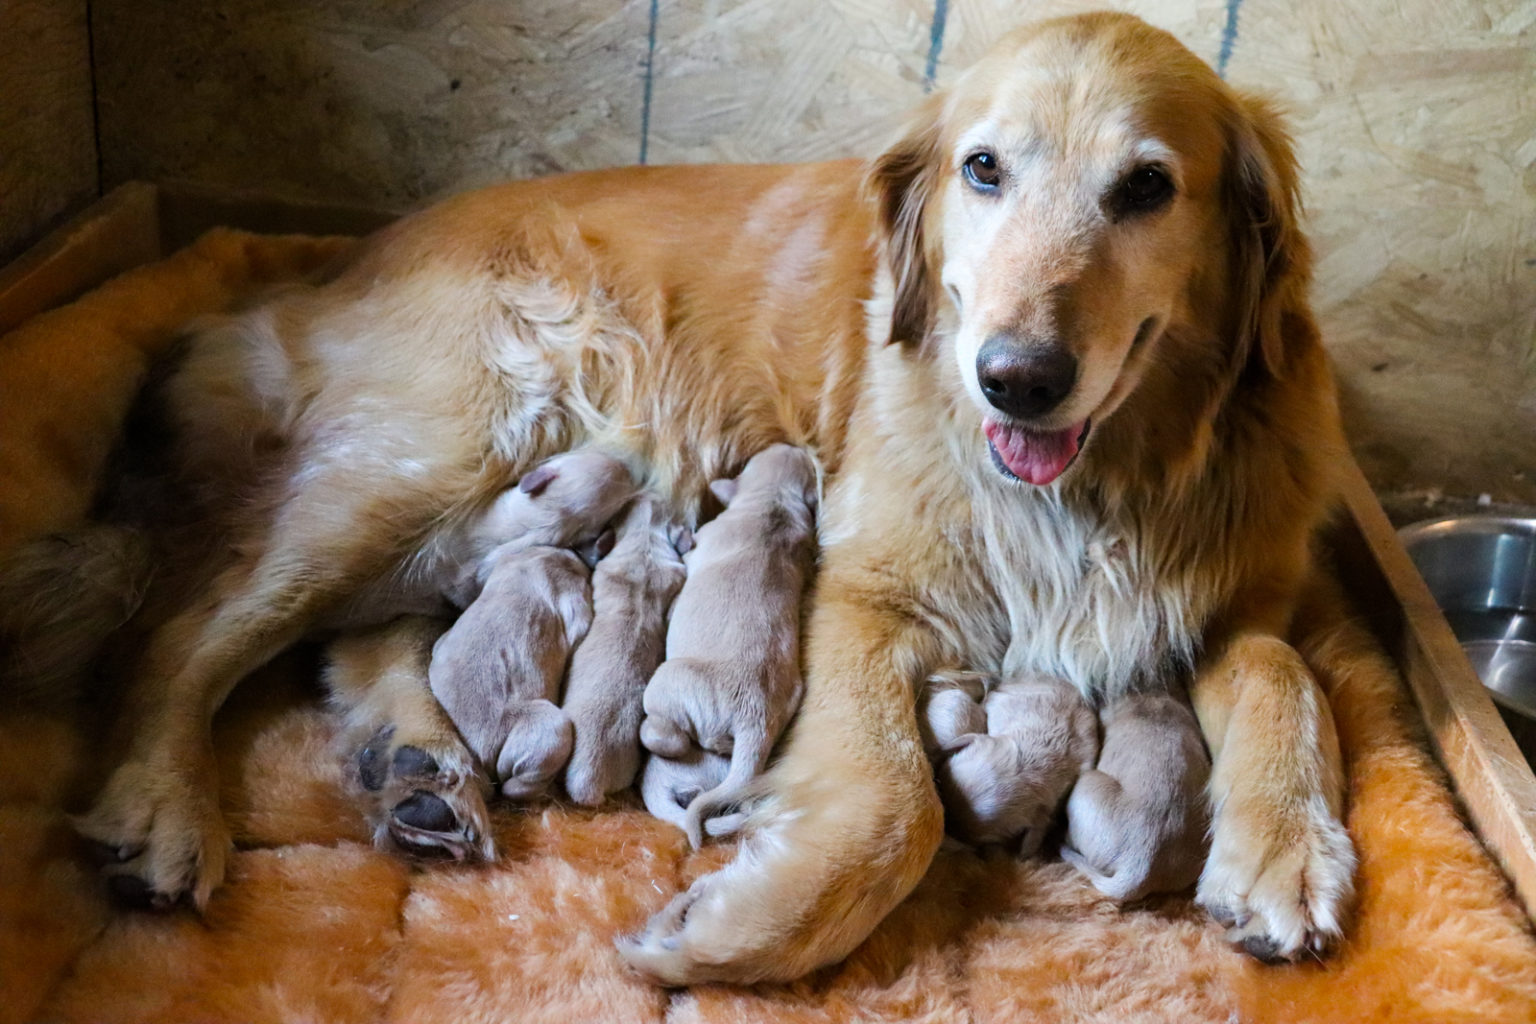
(982, 171)
(1145, 188)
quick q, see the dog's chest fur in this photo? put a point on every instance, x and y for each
(1088, 597)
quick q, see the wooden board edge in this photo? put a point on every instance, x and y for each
(1469, 737)
(187, 210)
(118, 232)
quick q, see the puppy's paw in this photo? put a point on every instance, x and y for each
(425, 796)
(161, 832)
(538, 746)
(1281, 884)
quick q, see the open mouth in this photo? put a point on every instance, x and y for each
(1034, 456)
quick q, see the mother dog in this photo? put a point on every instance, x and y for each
(1055, 351)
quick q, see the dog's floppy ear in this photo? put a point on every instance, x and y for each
(1273, 261)
(901, 181)
(536, 479)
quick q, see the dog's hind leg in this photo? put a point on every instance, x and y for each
(424, 792)
(158, 815)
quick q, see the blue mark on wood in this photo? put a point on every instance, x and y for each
(1228, 37)
(650, 65)
(935, 42)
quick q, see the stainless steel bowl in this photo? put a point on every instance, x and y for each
(1482, 572)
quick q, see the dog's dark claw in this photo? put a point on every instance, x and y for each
(1263, 949)
(102, 854)
(133, 892)
(425, 812)
(414, 761)
(1222, 915)
(371, 768)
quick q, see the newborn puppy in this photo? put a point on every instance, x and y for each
(632, 588)
(563, 502)
(1004, 786)
(732, 680)
(497, 671)
(527, 602)
(1136, 825)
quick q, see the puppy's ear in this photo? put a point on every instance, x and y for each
(536, 479)
(1273, 262)
(901, 182)
(723, 490)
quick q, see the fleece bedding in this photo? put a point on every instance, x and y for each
(314, 924)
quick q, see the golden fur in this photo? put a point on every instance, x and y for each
(311, 924)
(687, 317)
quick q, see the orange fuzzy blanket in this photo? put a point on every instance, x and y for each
(315, 925)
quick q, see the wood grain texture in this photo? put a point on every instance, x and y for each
(47, 139)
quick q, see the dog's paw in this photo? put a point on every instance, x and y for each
(1283, 887)
(426, 797)
(656, 950)
(160, 833)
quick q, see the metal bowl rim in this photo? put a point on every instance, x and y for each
(1467, 526)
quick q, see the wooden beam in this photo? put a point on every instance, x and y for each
(1490, 774)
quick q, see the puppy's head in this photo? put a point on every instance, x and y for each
(1087, 190)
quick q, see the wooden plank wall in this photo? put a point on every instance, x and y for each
(47, 138)
(1416, 123)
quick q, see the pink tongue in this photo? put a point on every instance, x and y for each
(1036, 457)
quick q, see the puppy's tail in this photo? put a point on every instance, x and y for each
(747, 760)
(61, 596)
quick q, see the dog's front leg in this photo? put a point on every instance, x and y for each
(1281, 866)
(849, 825)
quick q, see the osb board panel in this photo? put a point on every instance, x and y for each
(47, 140)
(363, 102)
(1415, 119)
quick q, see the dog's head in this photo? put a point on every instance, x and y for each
(1087, 201)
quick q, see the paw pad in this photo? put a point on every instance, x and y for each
(426, 812)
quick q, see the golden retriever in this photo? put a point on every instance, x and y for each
(1055, 352)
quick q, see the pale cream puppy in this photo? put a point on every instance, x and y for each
(1136, 824)
(564, 501)
(1005, 786)
(497, 672)
(528, 603)
(732, 679)
(632, 590)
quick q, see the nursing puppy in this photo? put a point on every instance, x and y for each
(1003, 784)
(1054, 351)
(563, 502)
(497, 671)
(732, 680)
(1136, 824)
(632, 590)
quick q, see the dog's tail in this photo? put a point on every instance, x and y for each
(61, 597)
(748, 758)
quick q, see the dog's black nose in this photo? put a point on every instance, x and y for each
(1023, 379)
